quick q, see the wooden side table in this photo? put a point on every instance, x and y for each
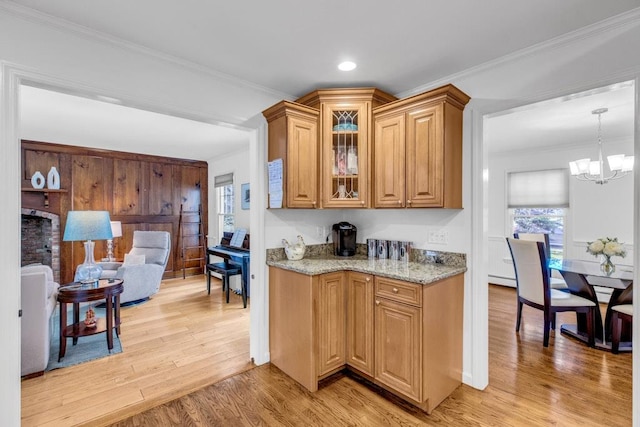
(75, 293)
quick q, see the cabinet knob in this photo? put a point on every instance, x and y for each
(362, 203)
(395, 290)
(377, 302)
(409, 201)
(367, 279)
(399, 202)
(313, 203)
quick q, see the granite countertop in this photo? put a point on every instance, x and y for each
(415, 272)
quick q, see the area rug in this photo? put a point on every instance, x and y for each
(88, 348)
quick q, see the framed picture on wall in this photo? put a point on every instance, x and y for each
(245, 196)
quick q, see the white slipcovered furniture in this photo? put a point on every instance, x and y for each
(143, 266)
(38, 302)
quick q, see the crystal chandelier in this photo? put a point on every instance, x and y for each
(587, 170)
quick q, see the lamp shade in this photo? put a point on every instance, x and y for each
(116, 228)
(87, 225)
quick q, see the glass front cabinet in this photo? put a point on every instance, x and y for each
(345, 135)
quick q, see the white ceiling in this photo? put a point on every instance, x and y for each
(293, 47)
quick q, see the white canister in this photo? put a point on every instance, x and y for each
(53, 179)
(37, 180)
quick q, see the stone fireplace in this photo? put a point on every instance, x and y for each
(41, 239)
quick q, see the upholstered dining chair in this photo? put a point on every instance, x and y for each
(619, 314)
(534, 290)
(555, 282)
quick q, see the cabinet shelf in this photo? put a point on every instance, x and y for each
(45, 193)
(44, 190)
(346, 176)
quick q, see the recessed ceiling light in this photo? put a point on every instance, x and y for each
(347, 66)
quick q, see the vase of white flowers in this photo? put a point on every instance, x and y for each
(607, 247)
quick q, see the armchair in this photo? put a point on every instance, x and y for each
(143, 267)
(39, 295)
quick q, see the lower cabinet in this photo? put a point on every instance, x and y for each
(403, 336)
(360, 322)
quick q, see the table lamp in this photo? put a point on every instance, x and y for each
(87, 226)
(116, 230)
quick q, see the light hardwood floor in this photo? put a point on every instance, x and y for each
(178, 342)
(566, 384)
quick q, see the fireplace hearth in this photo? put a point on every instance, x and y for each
(41, 239)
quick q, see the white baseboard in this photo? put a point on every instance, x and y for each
(504, 281)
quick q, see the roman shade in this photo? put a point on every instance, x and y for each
(223, 180)
(538, 189)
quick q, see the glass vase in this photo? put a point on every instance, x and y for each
(607, 266)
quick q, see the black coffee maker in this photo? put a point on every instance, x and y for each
(344, 239)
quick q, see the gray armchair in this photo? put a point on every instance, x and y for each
(142, 280)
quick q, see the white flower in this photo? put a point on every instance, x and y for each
(613, 248)
(596, 247)
(606, 246)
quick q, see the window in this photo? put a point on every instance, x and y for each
(541, 220)
(226, 199)
(537, 202)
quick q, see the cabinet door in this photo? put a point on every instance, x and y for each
(398, 332)
(330, 322)
(360, 322)
(302, 153)
(389, 161)
(345, 173)
(425, 158)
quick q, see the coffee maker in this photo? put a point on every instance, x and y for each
(344, 239)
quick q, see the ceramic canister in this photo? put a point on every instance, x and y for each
(392, 249)
(372, 248)
(404, 250)
(382, 249)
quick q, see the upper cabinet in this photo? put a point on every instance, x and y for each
(362, 148)
(418, 150)
(293, 137)
(345, 141)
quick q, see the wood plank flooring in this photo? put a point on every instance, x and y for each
(178, 342)
(566, 384)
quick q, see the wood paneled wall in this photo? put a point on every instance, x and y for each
(143, 192)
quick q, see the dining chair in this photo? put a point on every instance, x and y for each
(620, 313)
(534, 290)
(555, 282)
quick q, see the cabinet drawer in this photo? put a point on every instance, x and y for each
(399, 291)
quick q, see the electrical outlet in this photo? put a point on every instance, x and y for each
(319, 232)
(439, 237)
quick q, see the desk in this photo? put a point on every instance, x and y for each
(241, 257)
(75, 293)
(578, 274)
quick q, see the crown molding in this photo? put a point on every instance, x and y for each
(87, 33)
(631, 17)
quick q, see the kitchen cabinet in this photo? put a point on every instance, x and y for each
(345, 141)
(306, 324)
(293, 137)
(418, 150)
(409, 344)
(330, 322)
(360, 322)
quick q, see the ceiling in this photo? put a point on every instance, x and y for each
(287, 47)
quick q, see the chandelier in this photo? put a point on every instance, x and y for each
(588, 170)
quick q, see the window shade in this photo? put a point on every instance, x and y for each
(222, 180)
(538, 189)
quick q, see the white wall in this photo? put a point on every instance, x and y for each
(595, 210)
(238, 164)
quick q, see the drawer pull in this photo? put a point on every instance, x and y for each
(395, 290)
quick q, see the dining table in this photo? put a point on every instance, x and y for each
(582, 277)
